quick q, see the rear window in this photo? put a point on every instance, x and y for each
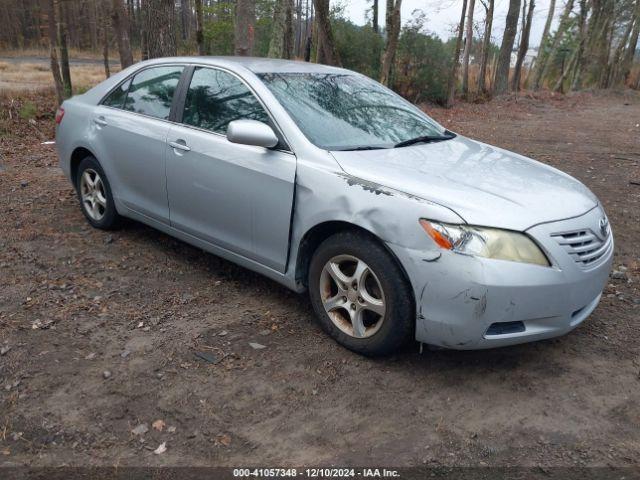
(151, 91)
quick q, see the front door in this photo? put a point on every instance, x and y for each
(238, 197)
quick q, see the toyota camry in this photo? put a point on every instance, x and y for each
(327, 182)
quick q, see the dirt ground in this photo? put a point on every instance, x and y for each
(99, 333)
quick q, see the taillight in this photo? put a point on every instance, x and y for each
(59, 115)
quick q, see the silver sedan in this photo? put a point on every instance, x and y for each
(324, 180)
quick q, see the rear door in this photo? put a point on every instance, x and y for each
(238, 197)
(131, 126)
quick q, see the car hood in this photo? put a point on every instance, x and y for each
(484, 185)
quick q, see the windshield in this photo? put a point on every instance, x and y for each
(349, 112)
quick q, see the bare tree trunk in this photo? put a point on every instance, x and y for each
(244, 27)
(467, 48)
(563, 25)
(307, 49)
(392, 30)
(93, 23)
(53, 56)
(582, 45)
(327, 52)
(501, 78)
(281, 44)
(606, 48)
(543, 53)
(596, 54)
(559, 87)
(121, 26)
(615, 62)
(486, 45)
(524, 46)
(627, 59)
(453, 76)
(133, 8)
(161, 28)
(308, 44)
(289, 31)
(199, 27)
(141, 19)
(297, 44)
(374, 15)
(105, 42)
(185, 19)
(64, 51)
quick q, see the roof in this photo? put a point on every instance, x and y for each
(260, 65)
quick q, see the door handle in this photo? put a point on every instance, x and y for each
(100, 121)
(180, 145)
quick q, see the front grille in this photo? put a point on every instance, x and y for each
(584, 246)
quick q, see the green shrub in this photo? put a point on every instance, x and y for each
(28, 110)
(218, 34)
(423, 63)
(360, 48)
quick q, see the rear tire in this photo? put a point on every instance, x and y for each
(94, 194)
(360, 295)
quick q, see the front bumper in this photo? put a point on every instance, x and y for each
(459, 297)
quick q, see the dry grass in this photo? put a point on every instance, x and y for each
(44, 52)
(36, 76)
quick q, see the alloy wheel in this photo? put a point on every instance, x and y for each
(92, 192)
(352, 296)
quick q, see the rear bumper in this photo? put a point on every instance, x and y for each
(459, 297)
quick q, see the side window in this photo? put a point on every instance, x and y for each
(216, 98)
(152, 91)
(116, 98)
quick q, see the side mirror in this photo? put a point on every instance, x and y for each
(251, 132)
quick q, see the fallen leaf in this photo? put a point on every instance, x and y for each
(161, 449)
(158, 425)
(223, 439)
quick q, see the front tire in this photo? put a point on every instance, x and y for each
(94, 194)
(360, 294)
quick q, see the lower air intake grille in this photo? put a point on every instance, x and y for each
(503, 328)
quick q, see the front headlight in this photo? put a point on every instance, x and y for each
(485, 242)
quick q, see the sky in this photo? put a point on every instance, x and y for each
(443, 15)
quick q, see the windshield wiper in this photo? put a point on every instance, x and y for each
(426, 139)
(361, 147)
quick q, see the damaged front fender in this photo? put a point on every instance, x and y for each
(324, 194)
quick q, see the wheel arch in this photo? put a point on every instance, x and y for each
(314, 236)
(78, 154)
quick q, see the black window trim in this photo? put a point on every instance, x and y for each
(177, 108)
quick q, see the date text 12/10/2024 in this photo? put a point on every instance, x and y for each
(315, 473)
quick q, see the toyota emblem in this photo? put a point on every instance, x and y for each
(604, 226)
